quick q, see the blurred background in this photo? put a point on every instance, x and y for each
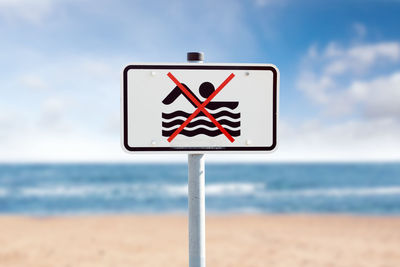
(61, 64)
(339, 127)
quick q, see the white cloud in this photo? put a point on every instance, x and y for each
(9, 123)
(360, 58)
(81, 94)
(24, 141)
(52, 117)
(369, 54)
(31, 11)
(357, 90)
(359, 140)
(379, 97)
(317, 88)
(33, 81)
(347, 80)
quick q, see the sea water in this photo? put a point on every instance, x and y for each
(53, 189)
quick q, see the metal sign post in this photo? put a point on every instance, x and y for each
(196, 199)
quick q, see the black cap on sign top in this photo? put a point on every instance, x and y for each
(195, 56)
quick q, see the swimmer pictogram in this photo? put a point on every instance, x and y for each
(220, 120)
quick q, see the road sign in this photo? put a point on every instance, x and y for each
(200, 107)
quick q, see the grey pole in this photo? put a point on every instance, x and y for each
(196, 198)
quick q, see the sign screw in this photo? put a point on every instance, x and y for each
(247, 73)
(153, 73)
(248, 142)
(153, 143)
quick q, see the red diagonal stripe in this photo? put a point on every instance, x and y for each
(201, 107)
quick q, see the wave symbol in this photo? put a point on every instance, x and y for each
(201, 124)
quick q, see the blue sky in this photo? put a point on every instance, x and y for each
(61, 63)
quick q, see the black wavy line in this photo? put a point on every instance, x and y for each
(200, 131)
(178, 113)
(201, 122)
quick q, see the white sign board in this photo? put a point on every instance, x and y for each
(200, 107)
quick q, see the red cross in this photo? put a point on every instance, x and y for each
(200, 107)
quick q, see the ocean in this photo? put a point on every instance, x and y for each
(74, 189)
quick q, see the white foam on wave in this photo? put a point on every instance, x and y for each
(337, 192)
(132, 190)
(64, 191)
(175, 190)
(223, 189)
(3, 192)
(146, 190)
(107, 191)
(218, 189)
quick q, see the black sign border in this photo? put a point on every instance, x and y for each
(199, 67)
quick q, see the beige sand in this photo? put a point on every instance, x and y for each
(119, 241)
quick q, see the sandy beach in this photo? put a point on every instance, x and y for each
(236, 240)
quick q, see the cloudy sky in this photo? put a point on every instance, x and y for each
(61, 62)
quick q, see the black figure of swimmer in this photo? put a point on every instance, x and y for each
(205, 89)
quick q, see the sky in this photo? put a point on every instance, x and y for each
(61, 64)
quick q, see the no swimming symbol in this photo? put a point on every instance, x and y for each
(222, 119)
